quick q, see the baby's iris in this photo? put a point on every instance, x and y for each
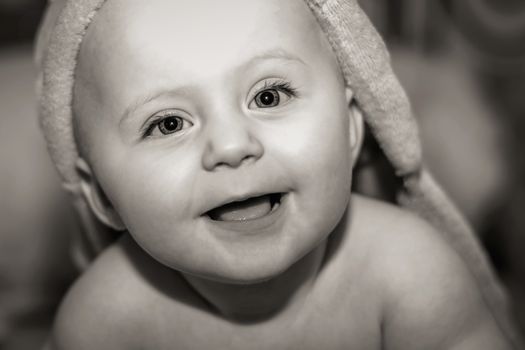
(170, 125)
(267, 98)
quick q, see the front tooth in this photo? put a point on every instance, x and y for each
(247, 210)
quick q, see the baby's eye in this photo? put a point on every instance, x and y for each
(167, 125)
(273, 95)
(268, 98)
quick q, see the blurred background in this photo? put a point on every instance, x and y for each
(462, 63)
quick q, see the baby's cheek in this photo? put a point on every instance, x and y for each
(150, 189)
(324, 176)
(327, 156)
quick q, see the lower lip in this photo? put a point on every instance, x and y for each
(257, 226)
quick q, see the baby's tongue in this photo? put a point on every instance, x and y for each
(250, 209)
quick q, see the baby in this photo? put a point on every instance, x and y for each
(219, 137)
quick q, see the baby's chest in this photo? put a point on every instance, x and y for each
(330, 328)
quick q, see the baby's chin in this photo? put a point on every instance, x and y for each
(286, 268)
(242, 274)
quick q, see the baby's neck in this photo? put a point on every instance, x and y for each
(279, 296)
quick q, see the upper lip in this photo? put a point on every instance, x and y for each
(238, 198)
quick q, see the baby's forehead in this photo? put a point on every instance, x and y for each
(200, 29)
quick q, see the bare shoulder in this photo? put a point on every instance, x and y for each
(111, 304)
(404, 249)
(430, 299)
(100, 304)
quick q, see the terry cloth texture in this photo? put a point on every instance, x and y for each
(365, 63)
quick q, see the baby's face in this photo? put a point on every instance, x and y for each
(191, 105)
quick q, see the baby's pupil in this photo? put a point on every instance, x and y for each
(171, 124)
(268, 98)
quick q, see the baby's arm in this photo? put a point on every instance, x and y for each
(433, 301)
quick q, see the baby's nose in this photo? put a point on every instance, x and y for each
(230, 144)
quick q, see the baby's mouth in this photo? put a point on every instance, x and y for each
(245, 210)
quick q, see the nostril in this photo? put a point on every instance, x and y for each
(248, 159)
(234, 163)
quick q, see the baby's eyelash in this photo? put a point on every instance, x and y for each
(281, 85)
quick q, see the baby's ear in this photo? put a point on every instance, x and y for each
(356, 125)
(96, 198)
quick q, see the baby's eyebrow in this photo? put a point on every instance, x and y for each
(130, 110)
(277, 53)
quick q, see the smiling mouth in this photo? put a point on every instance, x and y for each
(246, 210)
